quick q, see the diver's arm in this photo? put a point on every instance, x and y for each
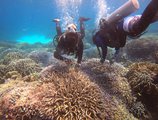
(82, 29)
(116, 52)
(58, 29)
(104, 53)
(147, 17)
(80, 52)
(57, 55)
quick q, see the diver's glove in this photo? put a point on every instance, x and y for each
(102, 60)
(68, 61)
(77, 65)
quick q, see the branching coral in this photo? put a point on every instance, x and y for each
(143, 80)
(32, 77)
(143, 48)
(65, 94)
(12, 56)
(110, 78)
(24, 67)
(13, 75)
(41, 57)
(9, 50)
(141, 76)
(2, 70)
(139, 111)
(76, 98)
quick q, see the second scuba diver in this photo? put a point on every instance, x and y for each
(70, 41)
(114, 34)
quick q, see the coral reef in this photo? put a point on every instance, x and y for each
(142, 49)
(91, 52)
(87, 45)
(7, 44)
(43, 57)
(12, 56)
(109, 77)
(2, 70)
(24, 67)
(62, 93)
(143, 78)
(141, 75)
(6, 51)
(32, 47)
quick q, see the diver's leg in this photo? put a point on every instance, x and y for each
(58, 27)
(82, 27)
(79, 52)
(147, 17)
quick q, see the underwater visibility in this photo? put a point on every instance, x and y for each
(79, 60)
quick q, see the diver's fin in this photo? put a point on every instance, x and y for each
(56, 20)
(83, 19)
(122, 12)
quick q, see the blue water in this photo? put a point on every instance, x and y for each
(31, 19)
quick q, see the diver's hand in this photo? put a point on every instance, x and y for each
(68, 61)
(78, 65)
(102, 61)
(112, 61)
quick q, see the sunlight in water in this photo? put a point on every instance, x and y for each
(101, 10)
(69, 10)
(34, 39)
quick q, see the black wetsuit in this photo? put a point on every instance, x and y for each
(70, 42)
(113, 35)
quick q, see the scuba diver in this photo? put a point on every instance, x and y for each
(70, 41)
(114, 34)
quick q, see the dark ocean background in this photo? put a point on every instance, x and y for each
(31, 19)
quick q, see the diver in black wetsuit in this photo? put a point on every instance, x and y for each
(114, 35)
(70, 41)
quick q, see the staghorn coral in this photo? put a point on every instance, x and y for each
(2, 70)
(2, 80)
(142, 77)
(156, 57)
(65, 93)
(143, 48)
(43, 57)
(110, 78)
(6, 51)
(12, 56)
(93, 52)
(82, 99)
(24, 67)
(13, 75)
(32, 77)
(140, 111)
